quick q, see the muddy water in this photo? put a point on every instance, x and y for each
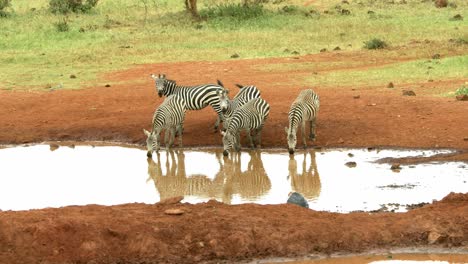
(45, 176)
(387, 259)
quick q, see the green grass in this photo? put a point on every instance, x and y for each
(455, 67)
(35, 55)
(462, 90)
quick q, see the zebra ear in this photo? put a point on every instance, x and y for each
(153, 76)
(239, 85)
(147, 133)
(163, 76)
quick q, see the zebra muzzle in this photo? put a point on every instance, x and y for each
(148, 154)
(291, 151)
(225, 153)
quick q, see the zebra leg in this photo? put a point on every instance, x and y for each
(251, 144)
(166, 137)
(312, 129)
(259, 137)
(237, 145)
(304, 134)
(219, 120)
(179, 129)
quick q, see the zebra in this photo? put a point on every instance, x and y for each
(196, 97)
(170, 116)
(250, 116)
(304, 108)
(245, 94)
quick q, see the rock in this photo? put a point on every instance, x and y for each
(174, 212)
(107, 85)
(323, 50)
(286, 51)
(235, 55)
(53, 146)
(465, 139)
(72, 76)
(441, 3)
(345, 12)
(297, 199)
(462, 97)
(395, 166)
(433, 237)
(337, 48)
(351, 164)
(345, 2)
(350, 155)
(295, 52)
(172, 200)
(409, 93)
(436, 56)
(456, 17)
(356, 96)
(341, 141)
(390, 85)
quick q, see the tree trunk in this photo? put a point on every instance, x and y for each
(191, 5)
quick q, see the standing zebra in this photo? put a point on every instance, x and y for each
(250, 116)
(170, 115)
(195, 97)
(245, 94)
(304, 108)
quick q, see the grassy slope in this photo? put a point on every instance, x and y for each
(120, 33)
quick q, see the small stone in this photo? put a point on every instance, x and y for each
(350, 155)
(72, 76)
(351, 164)
(295, 52)
(172, 200)
(395, 166)
(436, 56)
(53, 147)
(345, 12)
(390, 85)
(456, 17)
(297, 199)
(323, 50)
(441, 3)
(337, 48)
(430, 80)
(409, 93)
(465, 139)
(286, 51)
(356, 96)
(345, 2)
(462, 97)
(235, 55)
(107, 85)
(174, 212)
(341, 141)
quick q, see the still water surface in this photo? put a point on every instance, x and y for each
(37, 177)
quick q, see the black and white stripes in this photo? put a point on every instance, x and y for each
(245, 94)
(170, 116)
(195, 97)
(250, 117)
(304, 109)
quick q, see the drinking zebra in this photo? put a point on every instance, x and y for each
(251, 117)
(170, 116)
(304, 108)
(195, 97)
(245, 94)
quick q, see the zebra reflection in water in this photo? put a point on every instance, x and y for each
(228, 182)
(307, 182)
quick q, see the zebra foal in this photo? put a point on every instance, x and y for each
(304, 109)
(195, 97)
(170, 116)
(250, 116)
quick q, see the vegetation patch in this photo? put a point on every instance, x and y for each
(462, 90)
(69, 6)
(375, 43)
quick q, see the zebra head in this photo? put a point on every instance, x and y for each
(152, 142)
(160, 81)
(223, 99)
(229, 141)
(292, 139)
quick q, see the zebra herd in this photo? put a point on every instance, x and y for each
(246, 111)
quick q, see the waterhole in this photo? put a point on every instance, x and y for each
(336, 180)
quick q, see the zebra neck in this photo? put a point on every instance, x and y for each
(170, 87)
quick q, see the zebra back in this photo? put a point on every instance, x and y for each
(304, 108)
(170, 113)
(245, 94)
(251, 115)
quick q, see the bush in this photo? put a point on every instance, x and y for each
(375, 43)
(237, 11)
(67, 6)
(4, 4)
(462, 90)
(62, 26)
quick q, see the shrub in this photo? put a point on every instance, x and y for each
(375, 43)
(4, 4)
(67, 6)
(462, 90)
(237, 11)
(62, 26)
